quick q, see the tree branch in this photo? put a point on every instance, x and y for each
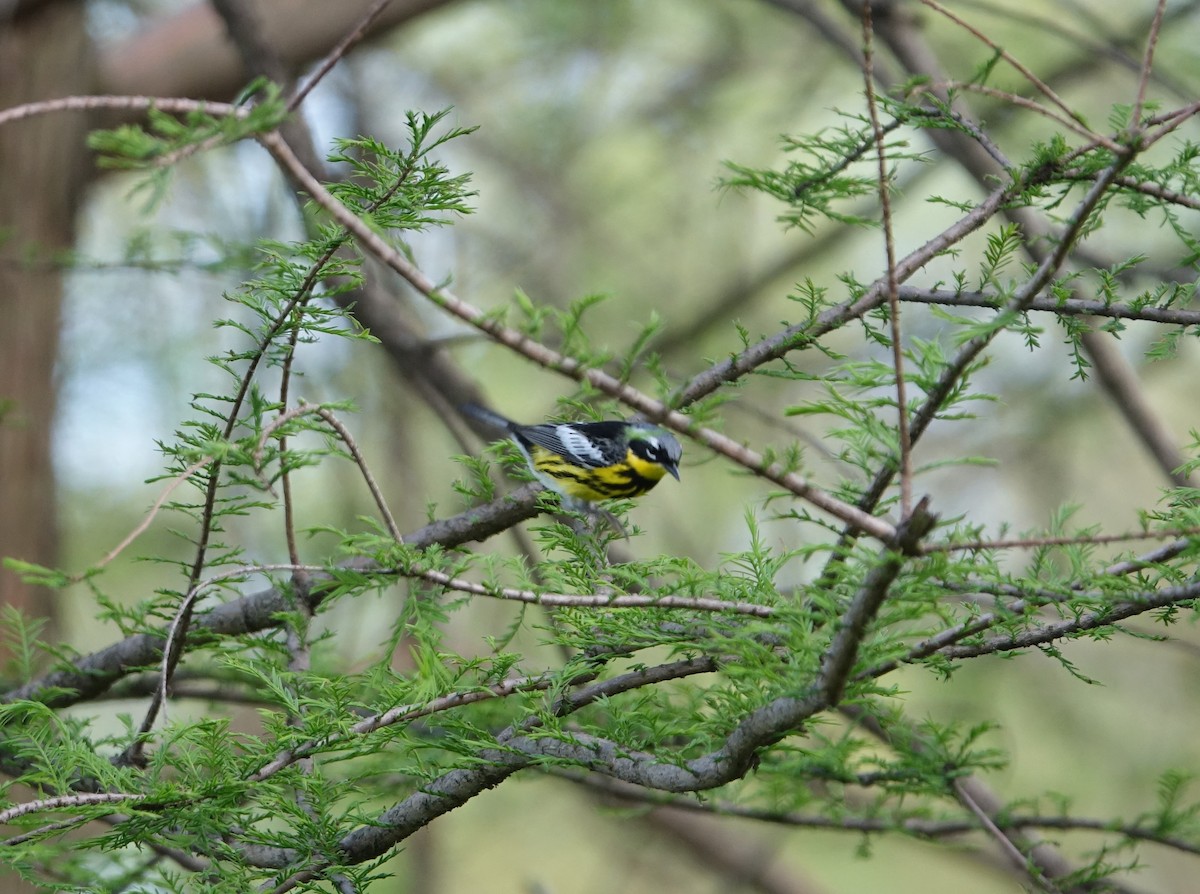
(92, 674)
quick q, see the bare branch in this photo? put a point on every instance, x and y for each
(595, 600)
(1033, 79)
(1147, 65)
(351, 445)
(839, 658)
(1007, 846)
(352, 38)
(1030, 106)
(1067, 307)
(1039, 542)
(71, 802)
(146, 521)
(893, 286)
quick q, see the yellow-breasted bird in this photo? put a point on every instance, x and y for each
(590, 461)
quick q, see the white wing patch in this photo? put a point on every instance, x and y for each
(578, 444)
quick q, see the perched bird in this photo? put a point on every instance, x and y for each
(590, 461)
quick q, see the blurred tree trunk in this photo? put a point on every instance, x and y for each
(44, 52)
(189, 53)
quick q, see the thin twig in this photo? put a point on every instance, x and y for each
(800, 335)
(1033, 79)
(885, 201)
(64, 825)
(942, 640)
(1166, 124)
(145, 523)
(1020, 862)
(1032, 106)
(1135, 118)
(335, 55)
(1173, 316)
(344, 434)
(1162, 554)
(1040, 542)
(595, 600)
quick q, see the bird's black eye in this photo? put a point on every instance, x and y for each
(654, 450)
(648, 450)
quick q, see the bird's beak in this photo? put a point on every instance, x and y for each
(674, 470)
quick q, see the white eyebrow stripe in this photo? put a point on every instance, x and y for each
(578, 444)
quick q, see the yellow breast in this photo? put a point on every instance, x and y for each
(630, 478)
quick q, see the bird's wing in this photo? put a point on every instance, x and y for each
(591, 444)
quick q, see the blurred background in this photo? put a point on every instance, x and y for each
(604, 132)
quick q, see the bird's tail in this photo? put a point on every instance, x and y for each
(488, 417)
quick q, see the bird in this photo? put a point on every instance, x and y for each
(585, 462)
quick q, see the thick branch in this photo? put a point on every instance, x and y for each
(839, 658)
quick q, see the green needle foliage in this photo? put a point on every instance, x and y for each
(768, 681)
